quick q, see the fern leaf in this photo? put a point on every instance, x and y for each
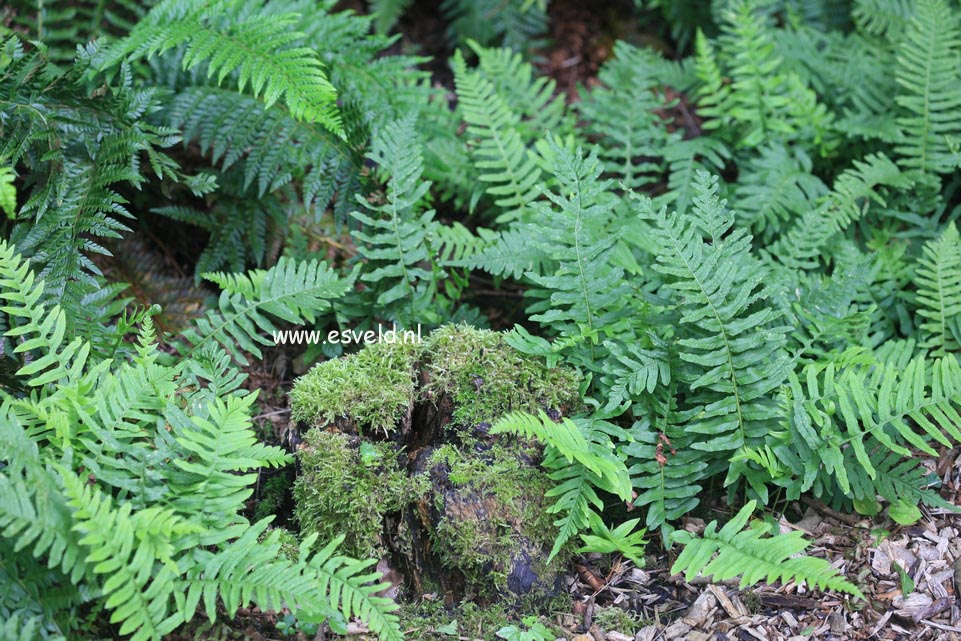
(290, 291)
(262, 51)
(929, 61)
(753, 557)
(725, 328)
(938, 282)
(8, 193)
(505, 163)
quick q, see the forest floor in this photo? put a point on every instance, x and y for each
(910, 576)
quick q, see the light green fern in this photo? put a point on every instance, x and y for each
(734, 551)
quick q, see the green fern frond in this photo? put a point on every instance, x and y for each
(396, 238)
(855, 189)
(44, 330)
(666, 477)
(124, 546)
(728, 323)
(622, 116)
(263, 51)
(886, 18)
(754, 557)
(855, 414)
(221, 450)
(938, 281)
(623, 539)
(290, 291)
(577, 463)
(8, 192)
(929, 62)
(514, 23)
(504, 162)
(775, 187)
(387, 13)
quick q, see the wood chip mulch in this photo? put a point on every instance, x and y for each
(910, 576)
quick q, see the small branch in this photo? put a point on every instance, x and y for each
(849, 519)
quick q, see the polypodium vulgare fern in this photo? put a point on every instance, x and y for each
(133, 496)
(735, 551)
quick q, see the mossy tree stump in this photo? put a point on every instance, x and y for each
(397, 457)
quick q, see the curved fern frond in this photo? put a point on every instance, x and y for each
(731, 552)
(290, 291)
(505, 163)
(929, 63)
(855, 189)
(263, 51)
(938, 281)
(580, 457)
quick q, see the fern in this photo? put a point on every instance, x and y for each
(764, 101)
(289, 291)
(396, 241)
(183, 459)
(855, 189)
(261, 50)
(504, 162)
(633, 142)
(753, 557)
(8, 192)
(939, 291)
(874, 409)
(929, 60)
(516, 23)
(728, 323)
(579, 464)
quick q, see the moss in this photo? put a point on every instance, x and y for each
(372, 389)
(614, 619)
(289, 545)
(486, 378)
(347, 486)
(430, 620)
(477, 508)
(494, 527)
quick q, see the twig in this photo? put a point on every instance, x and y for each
(849, 519)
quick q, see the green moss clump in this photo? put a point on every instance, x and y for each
(485, 377)
(494, 526)
(372, 389)
(346, 487)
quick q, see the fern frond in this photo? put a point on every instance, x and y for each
(578, 463)
(665, 476)
(396, 236)
(728, 322)
(938, 281)
(221, 449)
(290, 291)
(510, 254)
(124, 546)
(261, 50)
(754, 557)
(514, 23)
(775, 187)
(622, 116)
(43, 330)
(8, 192)
(929, 62)
(855, 189)
(504, 162)
(887, 18)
